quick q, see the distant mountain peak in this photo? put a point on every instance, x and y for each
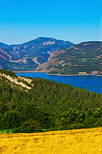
(29, 55)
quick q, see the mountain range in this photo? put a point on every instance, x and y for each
(29, 55)
(54, 56)
(84, 58)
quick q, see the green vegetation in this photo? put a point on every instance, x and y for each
(7, 72)
(6, 131)
(48, 106)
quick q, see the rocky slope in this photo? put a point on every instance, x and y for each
(29, 55)
(84, 58)
(17, 80)
(4, 58)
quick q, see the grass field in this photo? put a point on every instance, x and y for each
(82, 141)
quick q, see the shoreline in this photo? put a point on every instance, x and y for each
(57, 74)
(69, 74)
(74, 74)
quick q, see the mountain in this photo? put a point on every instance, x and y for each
(3, 45)
(83, 58)
(4, 58)
(34, 104)
(29, 55)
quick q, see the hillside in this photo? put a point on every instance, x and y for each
(83, 141)
(16, 80)
(35, 105)
(29, 55)
(83, 58)
(4, 57)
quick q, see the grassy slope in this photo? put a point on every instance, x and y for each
(83, 141)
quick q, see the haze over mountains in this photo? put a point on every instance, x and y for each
(54, 56)
(29, 55)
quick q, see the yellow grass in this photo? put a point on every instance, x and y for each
(83, 141)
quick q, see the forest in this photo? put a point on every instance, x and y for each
(47, 106)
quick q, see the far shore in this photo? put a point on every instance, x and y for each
(74, 74)
(56, 74)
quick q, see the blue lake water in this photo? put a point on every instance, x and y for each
(89, 82)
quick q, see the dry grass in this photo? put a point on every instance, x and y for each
(83, 141)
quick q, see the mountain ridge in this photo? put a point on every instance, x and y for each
(83, 58)
(29, 55)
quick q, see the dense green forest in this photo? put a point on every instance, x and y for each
(47, 106)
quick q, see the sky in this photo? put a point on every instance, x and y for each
(71, 20)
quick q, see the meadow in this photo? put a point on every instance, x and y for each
(79, 141)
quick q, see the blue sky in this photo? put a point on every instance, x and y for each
(73, 20)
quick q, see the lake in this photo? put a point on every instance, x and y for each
(89, 82)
